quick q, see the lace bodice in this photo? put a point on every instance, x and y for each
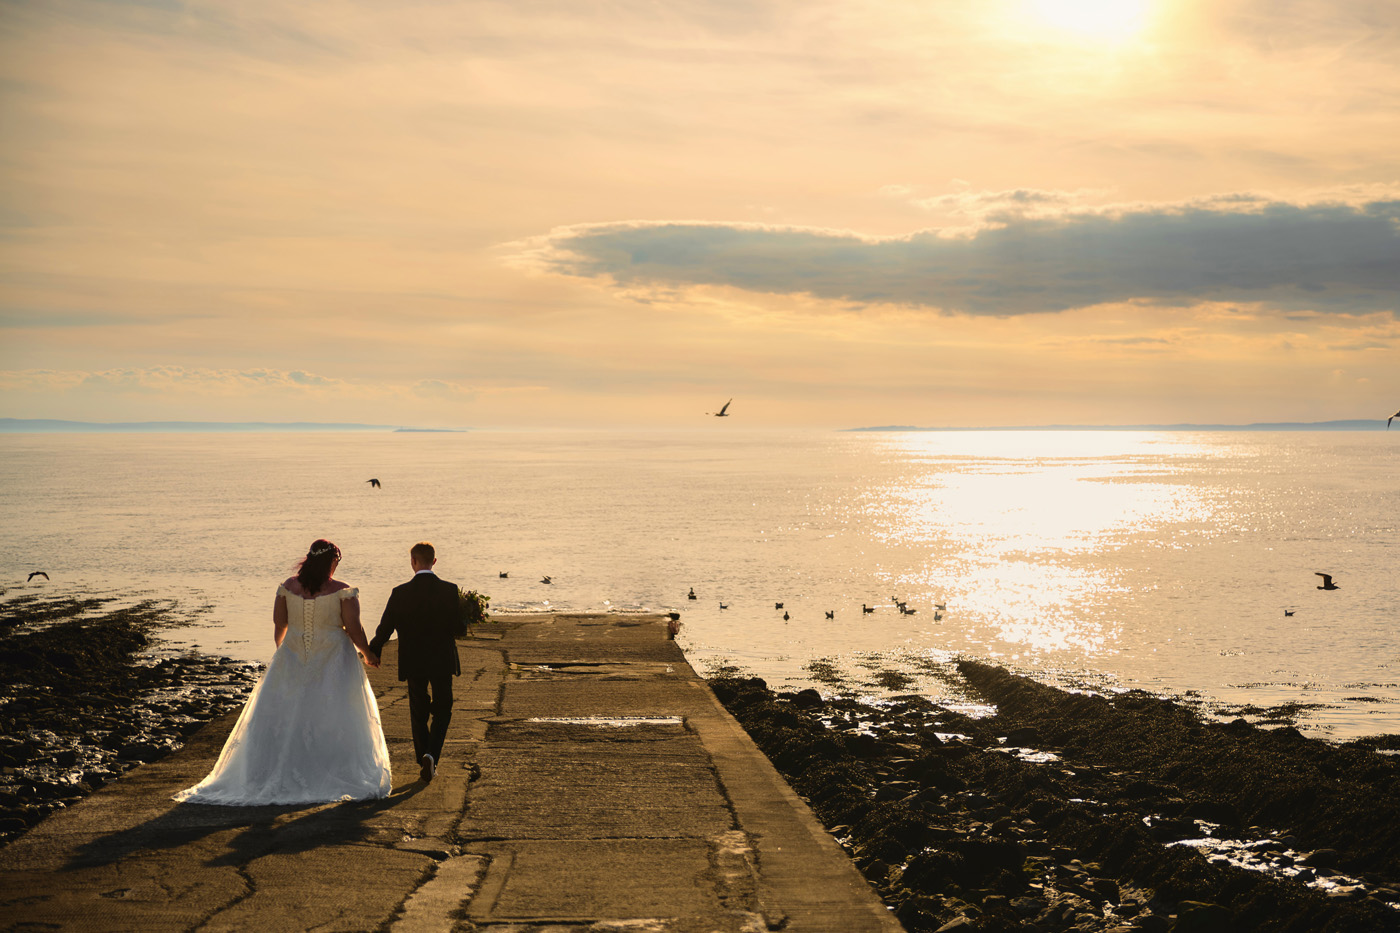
(315, 623)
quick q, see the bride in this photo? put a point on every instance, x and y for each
(310, 732)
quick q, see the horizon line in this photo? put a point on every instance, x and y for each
(1348, 424)
(56, 425)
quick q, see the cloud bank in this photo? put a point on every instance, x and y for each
(178, 381)
(1022, 257)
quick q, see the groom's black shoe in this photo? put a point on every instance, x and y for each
(427, 768)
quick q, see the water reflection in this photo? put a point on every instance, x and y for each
(1020, 527)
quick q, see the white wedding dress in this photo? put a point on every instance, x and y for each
(310, 732)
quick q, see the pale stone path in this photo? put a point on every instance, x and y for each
(591, 781)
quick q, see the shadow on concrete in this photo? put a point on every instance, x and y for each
(291, 828)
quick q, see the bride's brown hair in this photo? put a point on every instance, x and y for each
(315, 568)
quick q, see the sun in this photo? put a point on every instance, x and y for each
(1104, 19)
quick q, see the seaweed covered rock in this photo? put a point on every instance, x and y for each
(81, 701)
(1074, 812)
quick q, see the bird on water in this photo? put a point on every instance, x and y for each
(547, 580)
(865, 608)
(373, 482)
(723, 412)
(831, 613)
(723, 606)
(777, 605)
(505, 574)
(692, 594)
(37, 573)
(1327, 583)
(1288, 612)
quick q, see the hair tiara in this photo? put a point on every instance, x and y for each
(328, 549)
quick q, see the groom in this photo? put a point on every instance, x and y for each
(425, 613)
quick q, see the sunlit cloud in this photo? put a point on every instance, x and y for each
(989, 207)
(1031, 254)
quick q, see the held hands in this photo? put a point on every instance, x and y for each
(371, 659)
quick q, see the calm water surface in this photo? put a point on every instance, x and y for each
(1112, 560)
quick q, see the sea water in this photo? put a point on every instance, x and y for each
(1099, 560)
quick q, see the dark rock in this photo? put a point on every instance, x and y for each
(1172, 830)
(1201, 917)
(1023, 737)
(1028, 906)
(1321, 858)
(139, 751)
(1213, 811)
(1106, 888)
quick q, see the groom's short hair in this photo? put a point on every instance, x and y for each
(423, 553)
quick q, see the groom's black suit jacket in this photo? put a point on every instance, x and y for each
(424, 611)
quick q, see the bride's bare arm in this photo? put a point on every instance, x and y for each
(279, 620)
(350, 618)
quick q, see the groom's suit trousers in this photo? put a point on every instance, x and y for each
(429, 711)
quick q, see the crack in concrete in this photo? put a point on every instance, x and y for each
(438, 901)
(250, 887)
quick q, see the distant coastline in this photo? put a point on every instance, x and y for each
(54, 426)
(1355, 425)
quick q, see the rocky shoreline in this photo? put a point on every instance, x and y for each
(1078, 812)
(85, 695)
(1063, 811)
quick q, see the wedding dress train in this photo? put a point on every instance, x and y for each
(310, 732)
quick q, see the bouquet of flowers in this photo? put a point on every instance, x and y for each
(473, 608)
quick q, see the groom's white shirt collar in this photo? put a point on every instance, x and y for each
(425, 570)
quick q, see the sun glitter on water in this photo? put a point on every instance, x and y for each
(1104, 19)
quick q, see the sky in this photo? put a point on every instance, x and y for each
(544, 213)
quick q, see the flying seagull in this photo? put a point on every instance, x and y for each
(1327, 583)
(37, 573)
(373, 482)
(1390, 419)
(547, 580)
(723, 412)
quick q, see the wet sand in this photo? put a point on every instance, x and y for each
(1070, 811)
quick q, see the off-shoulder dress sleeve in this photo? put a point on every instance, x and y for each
(283, 591)
(350, 592)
